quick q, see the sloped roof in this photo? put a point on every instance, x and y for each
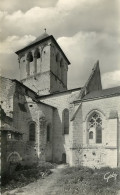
(40, 39)
(6, 127)
(36, 95)
(95, 73)
(76, 111)
(60, 93)
(43, 36)
(115, 91)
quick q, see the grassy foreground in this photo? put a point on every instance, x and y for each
(70, 181)
(83, 181)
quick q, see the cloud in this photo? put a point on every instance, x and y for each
(111, 79)
(8, 59)
(67, 17)
(31, 22)
(12, 43)
(84, 49)
(13, 5)
(86, 31)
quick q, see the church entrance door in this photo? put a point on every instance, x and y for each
(64, 158)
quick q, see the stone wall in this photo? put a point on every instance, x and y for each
(58, 68)
(107, 153)
(26, 109)
(33, 112)
(61, 143)
(38, 80)
(48, 73)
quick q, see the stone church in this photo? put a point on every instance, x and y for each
(41, 120)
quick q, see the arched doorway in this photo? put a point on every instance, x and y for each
(13, 160)
(63, 158)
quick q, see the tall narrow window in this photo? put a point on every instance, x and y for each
(57, 57)
(58, 65)
(48, 133)
(95, 128)
(66, 121)
(37, 53)
(32, 132)
(90, 135)
(98, 134)
(36, 56)
(29, 59)
(62, 70)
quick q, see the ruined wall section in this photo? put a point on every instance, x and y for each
(27, 110)
(7, 88)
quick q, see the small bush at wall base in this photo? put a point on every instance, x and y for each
(24, 175)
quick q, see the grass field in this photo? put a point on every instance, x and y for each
(83, 180)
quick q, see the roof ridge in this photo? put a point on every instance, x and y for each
(58, 93)
(5, 77)
(109, 92)
(110, 88)
(39, 42)
(39, 38)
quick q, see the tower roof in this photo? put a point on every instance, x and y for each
(41, 39)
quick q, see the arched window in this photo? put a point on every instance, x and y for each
(29, 57)
(95, 128)
(62, 69)
(58, 65)
(32, 132)
(61, 62)
(65, 120)
(36, 56)
(48, 132)
(37, 53)
(57, 57)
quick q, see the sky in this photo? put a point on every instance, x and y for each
(86, 30)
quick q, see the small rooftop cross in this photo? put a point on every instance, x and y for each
(45, 30)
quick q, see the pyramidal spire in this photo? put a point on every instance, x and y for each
(95, 77)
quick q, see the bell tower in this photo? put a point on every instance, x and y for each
(43, 66)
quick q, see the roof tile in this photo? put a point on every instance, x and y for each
(103, 93)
